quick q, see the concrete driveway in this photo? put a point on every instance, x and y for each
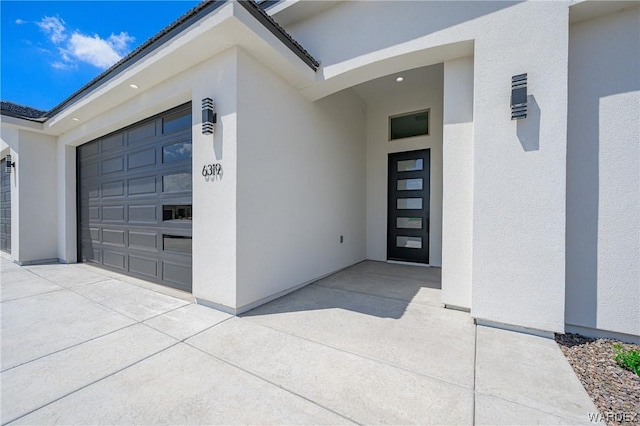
(368, 345)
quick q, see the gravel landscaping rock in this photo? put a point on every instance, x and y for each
(614, 390)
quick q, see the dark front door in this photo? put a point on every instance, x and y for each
(408, 216)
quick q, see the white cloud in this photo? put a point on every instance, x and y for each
(96, 51)
(79, 47)
(62, 65)
(53, 27)
(121, 41)
(20, 21)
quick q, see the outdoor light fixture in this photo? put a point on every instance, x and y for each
(134, 86)
(8, 164)
(519, 97)
(209, 117)
(75, 119)
(399, 79)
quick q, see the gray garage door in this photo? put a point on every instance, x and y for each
(5, 209)
(134, 197)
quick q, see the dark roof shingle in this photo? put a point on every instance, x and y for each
(20, 111)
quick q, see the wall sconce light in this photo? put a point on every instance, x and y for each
(8, 164)
(209, 117)
(519, 97)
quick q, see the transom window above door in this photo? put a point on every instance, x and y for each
(409, 125)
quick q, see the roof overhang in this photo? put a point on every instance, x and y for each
(21, 123)
(346, 74)
(228, 24)
(288, 12)
(582, 10)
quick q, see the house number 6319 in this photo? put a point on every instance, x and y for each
(212, 170)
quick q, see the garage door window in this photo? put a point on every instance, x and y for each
(176, 152)
(176, 183)
(177, 243)
(176, 212)
(174, 122)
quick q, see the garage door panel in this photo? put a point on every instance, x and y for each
(144, 158)
(93, 212)
(113, 165)
(88, 150)
(113, 213)
(176, 273)
(113, 237)
(145, 214)
(140, 133)
(90, 171)
(143, 186)
(112, 142)
(125, 181)
(143, 240)
(114, 259)
(143, 266)
(90, 235)
(112, 189)
(92, 192)
(90, 253)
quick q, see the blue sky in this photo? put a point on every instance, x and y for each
(49, 49)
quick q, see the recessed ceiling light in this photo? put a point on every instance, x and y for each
(400, 79)
(134, 86)
(75, 119)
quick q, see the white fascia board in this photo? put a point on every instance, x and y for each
(280, 6)
(229, 26)
(22, 124)
(259, 42)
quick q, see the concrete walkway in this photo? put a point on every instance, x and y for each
(368, 345)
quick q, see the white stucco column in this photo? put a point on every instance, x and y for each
(214, 197)
(519, 173)
(33, 201)
(457, 202)
(67, 205)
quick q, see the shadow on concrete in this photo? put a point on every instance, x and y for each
(371, 288)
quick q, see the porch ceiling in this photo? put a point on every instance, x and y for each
(382, 88)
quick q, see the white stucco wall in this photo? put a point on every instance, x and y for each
(519, 168)
(66, 204)
(301, 184)
(519, 171)
(603, 174)
(457, 203)
(33, 200)
(379, 109)
(215, 201)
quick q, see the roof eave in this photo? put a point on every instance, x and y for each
(173, 30)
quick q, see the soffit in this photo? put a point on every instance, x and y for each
(228, 26)
(589, 9)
